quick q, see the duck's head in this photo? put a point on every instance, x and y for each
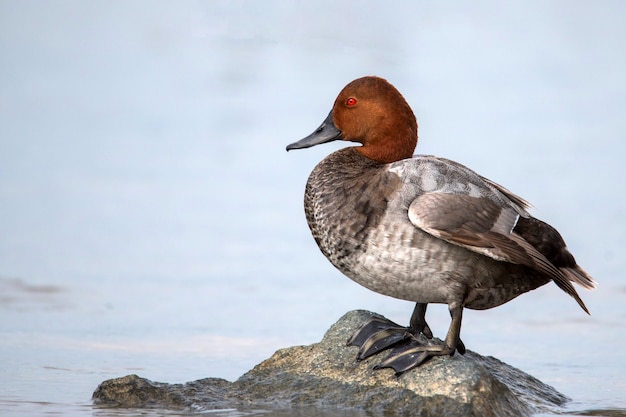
(370, 111)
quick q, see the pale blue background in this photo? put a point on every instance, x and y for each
(151, 221)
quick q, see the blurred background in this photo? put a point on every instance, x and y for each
(151, 221)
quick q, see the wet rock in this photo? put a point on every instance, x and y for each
(326, 375)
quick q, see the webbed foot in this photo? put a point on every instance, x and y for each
(411, 354)
(407, 351)
(376, 335)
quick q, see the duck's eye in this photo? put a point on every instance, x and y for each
(351, 102)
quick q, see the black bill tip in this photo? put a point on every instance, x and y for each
(326, 132)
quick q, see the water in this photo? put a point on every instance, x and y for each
(151, 221)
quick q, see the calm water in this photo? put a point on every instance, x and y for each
(151, 221)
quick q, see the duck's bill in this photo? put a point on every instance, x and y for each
(327, 132)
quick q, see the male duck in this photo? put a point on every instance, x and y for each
(421, 228)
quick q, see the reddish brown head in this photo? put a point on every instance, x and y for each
(372, 112)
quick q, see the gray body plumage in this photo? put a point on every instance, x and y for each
(366, 218)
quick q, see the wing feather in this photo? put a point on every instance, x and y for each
(483, 226)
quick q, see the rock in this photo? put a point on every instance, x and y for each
(327, 375)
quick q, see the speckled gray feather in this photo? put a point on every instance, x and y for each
(428, 230)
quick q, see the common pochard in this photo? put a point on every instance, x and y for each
(421, 228)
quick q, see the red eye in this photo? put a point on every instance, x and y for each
(351, 102)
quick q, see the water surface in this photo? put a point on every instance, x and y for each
(151, 221)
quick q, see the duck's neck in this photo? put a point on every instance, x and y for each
(382, 149)
(383, 154)
(395, 139)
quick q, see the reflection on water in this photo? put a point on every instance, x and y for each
(291, 412)
(15, 294)
(152, 221)
(613, 412)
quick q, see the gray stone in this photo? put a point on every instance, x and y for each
(326, 375)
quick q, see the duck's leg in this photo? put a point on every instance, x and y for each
(418, 323)
(410, 354)
(379, 334)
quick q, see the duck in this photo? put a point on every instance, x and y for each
(421, 228)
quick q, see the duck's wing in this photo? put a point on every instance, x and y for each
(484, 226)
(511, 196)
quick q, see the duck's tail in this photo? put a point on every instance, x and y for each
(580, 277)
